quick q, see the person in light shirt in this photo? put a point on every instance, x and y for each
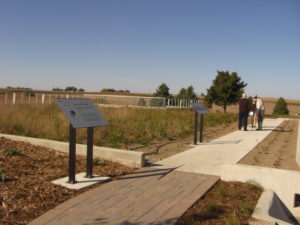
(260, 110)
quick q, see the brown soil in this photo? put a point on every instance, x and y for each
(225, 203)
(278, 150)
(27, 192)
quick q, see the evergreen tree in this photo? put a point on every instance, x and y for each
(226, 89)
(281, 107)
(162, 91)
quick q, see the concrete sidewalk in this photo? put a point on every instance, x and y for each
(208, 158)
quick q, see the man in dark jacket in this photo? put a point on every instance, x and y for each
(244, 107)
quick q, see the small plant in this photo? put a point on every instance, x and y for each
(142, 102)
(12, 151)
(247, 208)
(232, 220)
(2, 175)
(214, 208)
(96, 161)
(253, 185)
(223, 192)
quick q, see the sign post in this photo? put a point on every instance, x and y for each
(82, 113)
(199, 109)
(72, 155)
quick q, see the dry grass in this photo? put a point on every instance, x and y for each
(126, 125)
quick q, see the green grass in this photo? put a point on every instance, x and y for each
(232, 220)
(247, 208)
(126, 125)
(253, 185)
(224, 192)
(12, 151)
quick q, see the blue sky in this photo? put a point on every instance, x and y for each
(139, 44)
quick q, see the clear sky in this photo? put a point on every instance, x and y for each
(139, 44)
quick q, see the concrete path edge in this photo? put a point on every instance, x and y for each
(124, 157)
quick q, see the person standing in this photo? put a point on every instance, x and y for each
(253, 113)
(244, 106)
(260, 110)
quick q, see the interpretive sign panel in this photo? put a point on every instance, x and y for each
(199, 108)
(81, 113)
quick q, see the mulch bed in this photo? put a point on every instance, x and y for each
(27, 191)
(226, 203)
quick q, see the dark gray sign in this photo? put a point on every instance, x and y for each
(199, 108)
(81, 113)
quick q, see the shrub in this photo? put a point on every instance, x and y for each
(281, 107)
(142, 102)
(12, 151)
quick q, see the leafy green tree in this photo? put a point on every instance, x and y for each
(162, 91)
(187, 93)
(281, 107)
(227, 89)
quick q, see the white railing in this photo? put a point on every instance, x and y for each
(106, 100)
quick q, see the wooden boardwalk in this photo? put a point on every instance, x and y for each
(147, 196)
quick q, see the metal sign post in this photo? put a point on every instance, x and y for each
(82, 113)
(72, 154)
(89, 155)
(195, 128)
(199, 109)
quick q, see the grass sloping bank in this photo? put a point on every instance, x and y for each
(126, 125)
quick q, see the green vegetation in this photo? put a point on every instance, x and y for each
(281, 107)
(226, 89)
(142, 102)
(12, 151)
(2, 175)
(126, 125)
(247, 208)
(253, 185)
(187, 93)
(162, 91)
(232, 220)
(224, 192)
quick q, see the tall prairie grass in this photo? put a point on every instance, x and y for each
(126, 125)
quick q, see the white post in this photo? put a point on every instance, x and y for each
(14, 98)
(43, 99)
(168, 102)
(180, 103)
(67, 96)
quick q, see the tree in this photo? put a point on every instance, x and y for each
(226, 89)
(281, 107)
(162, 91)
(187, 93)
(71, 88)
(57, 89)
